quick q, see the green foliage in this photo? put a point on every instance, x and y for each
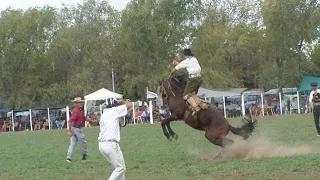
(48, 56)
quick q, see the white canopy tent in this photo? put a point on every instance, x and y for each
(101, 94)
(212, 93)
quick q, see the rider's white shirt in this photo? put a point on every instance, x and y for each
(109, 123)
(191, 64)
(312, 93)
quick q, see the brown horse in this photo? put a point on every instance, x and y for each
(209, 120)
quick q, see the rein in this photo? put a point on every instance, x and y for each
(170, 89)
(164, 91)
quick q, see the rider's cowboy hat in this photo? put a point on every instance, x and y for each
(187, 52)
(77, 100)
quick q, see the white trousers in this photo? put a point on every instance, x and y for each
(112, 152)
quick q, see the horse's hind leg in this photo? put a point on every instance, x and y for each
(220, 141)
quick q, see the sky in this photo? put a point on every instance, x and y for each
(25, 4)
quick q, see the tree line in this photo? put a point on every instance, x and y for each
(49, 56)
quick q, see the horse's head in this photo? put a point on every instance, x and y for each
(172, 84)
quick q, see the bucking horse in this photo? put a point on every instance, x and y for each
(209, 120)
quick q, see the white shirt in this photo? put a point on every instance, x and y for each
(311, 95)
(109, 123)
(191, 64)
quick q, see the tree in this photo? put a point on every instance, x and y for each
(24, 40)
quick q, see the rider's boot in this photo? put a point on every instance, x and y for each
(194, 103)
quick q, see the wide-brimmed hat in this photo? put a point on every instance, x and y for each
(77, 100)
(314, 84)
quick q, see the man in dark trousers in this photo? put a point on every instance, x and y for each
(75, 132)
(314, 99)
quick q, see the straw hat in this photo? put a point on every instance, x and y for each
(77, 100)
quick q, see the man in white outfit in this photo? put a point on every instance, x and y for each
(109, 136)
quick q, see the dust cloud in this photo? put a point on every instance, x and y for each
(258, 148)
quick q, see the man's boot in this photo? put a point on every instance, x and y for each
(204, 104)
(194, 104)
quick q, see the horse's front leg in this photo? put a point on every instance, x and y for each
(164, 129)
(173, 134)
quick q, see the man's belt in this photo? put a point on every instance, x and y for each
(76, 126)
(109, 140)
(194, 75)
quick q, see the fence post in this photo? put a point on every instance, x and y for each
(30, 118)
(151, 112)
(12, 121)
(49, 120)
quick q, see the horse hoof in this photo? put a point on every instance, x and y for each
(170, 138)
(175, 136)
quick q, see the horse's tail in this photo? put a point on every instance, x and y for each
(246, 129)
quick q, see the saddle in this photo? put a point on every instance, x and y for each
(199, 103)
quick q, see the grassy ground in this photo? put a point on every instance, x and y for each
(150, 156)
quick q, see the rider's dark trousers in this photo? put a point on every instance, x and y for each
(192, 86)
(316, 114)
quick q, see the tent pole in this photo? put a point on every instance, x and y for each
(242, 104)
(85, 107)
(224, 107)
(280, 103)
(12, 121)
(262, 104)
(298, 102)
(133, 113)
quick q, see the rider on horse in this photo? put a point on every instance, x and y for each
(194, 82)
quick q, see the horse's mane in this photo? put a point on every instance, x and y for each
(172, 83)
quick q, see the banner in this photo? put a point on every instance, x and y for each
(151, 95)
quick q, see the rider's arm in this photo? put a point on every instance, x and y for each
(173, 70)
(182, 65)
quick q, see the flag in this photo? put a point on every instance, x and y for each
(151, 95)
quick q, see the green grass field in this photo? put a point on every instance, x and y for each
(150, 156)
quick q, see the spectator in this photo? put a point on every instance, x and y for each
(60, 121)
(17, 126)
(144, 116)
(156, 114)
(45, 123)
(162, 111)
(166, 111)
(238, 110)
(128, 118)
(37, 124)
(138, 116)
(5, 126)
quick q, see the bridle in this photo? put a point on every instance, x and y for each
(164, 91)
